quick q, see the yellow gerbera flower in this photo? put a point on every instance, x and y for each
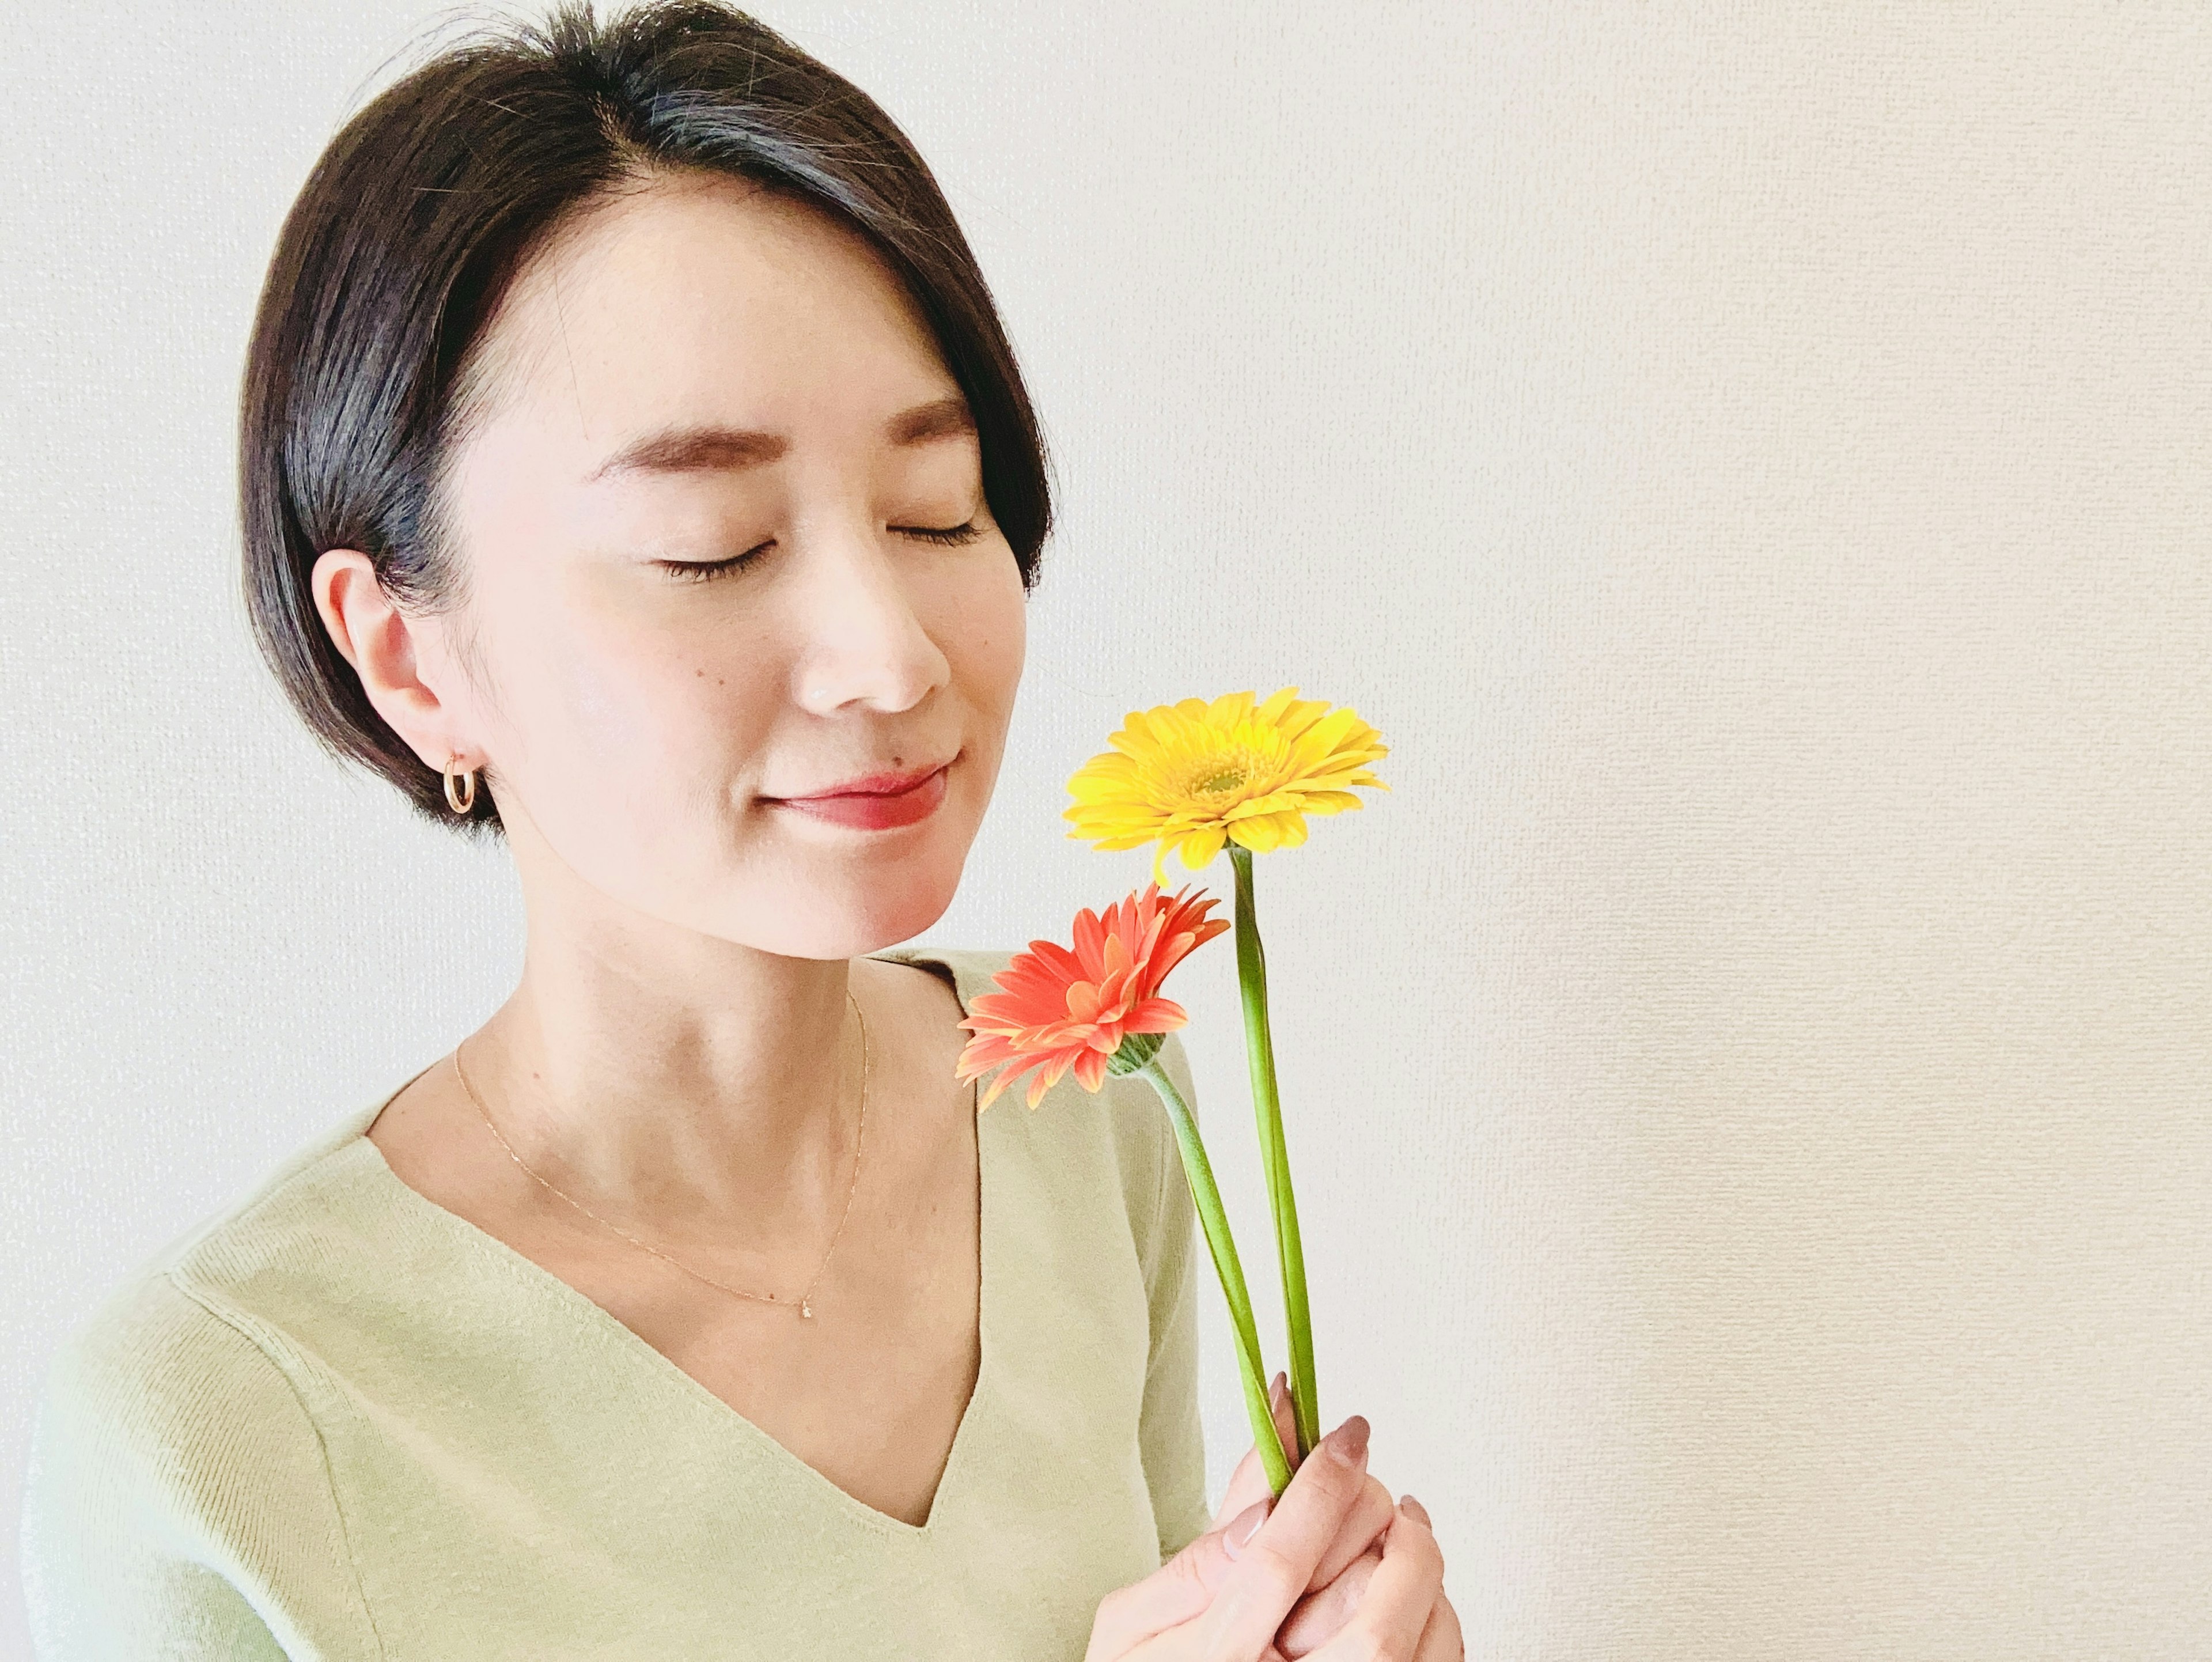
(1195, 776)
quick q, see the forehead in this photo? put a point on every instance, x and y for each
(699, 299)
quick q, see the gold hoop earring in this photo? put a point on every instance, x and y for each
(462, 797)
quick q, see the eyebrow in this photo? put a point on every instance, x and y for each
(701, 449)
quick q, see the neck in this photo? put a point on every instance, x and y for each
(652, 1073)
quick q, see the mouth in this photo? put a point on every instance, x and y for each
(877, 801)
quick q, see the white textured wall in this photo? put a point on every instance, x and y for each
(1751, 1078)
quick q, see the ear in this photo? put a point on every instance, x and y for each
(387, 649)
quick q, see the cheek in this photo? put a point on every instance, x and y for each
(611, 711)
(989, 622)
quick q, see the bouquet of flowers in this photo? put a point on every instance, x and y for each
(1193, 776)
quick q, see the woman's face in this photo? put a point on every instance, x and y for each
(723, 543)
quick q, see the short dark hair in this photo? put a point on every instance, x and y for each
(418, 216)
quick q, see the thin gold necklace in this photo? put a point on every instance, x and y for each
(805, 1305)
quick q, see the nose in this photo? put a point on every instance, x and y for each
(860, 625)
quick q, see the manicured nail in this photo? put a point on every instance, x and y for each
(1244, 1526)
(1348, 1442)
(1278, 1390)
(1413, 1509)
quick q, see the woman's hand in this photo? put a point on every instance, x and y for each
(1352, 1558)
(1322, 1613)
(1332, 1570)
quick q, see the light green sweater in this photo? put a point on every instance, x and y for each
(338, 1421)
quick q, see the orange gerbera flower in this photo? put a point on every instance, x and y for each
(1058, 1009)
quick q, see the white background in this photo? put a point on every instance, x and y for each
(1751, 1079)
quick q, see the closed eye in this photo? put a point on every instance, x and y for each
(702, 570)
(951, 535)
(698, 571)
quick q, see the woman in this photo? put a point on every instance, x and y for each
(633, 466)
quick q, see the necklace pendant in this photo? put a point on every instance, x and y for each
(806, 1309)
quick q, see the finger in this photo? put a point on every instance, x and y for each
(1401, 1595)
(1286, 1414)
(1276, 1570)
(1249, 1483)
(1361, 1529)
(1179, 1589)
(1316, 1618)
(1442, 1640)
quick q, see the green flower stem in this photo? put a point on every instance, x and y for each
(1274, 1155)
(1196, 1168)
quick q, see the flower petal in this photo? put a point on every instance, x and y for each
(1157, 1015)
(1053, 1009)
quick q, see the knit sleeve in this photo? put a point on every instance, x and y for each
(178, 1503)
(1173, 1441)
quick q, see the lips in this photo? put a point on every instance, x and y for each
(874, 809)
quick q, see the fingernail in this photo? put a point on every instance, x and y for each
(1413, 1509)
(1244, 1526)
(1279, 1388)
(1348, 1442)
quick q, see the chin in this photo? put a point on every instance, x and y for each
(829, 908)
(788, 883)
(883, 908)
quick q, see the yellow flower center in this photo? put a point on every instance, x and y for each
(1229, 778)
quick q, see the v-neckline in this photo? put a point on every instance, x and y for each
(989, 1257)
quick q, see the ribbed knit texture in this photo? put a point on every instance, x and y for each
(338, 1422)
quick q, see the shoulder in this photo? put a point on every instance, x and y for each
(189, 1341)
(178, 1477)
(170, 1460)
(971, 968)
(160, 1379)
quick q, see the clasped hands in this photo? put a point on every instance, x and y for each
(1332, 1570)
